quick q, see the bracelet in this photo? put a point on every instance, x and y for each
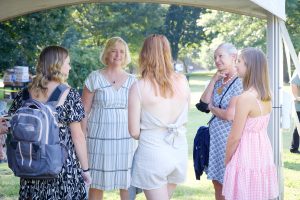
(86, 170)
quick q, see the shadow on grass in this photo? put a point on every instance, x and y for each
(292, 166)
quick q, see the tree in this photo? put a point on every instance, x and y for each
(181, 28)
(23, 38)
(130, 21)
(84, 60)
(293, 21)
(242, 31)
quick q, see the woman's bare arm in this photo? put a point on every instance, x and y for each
(134, 112)
(87, 100)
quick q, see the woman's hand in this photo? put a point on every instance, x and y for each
(219, 75)
(211, 107)
(3, 126)
(87, 178)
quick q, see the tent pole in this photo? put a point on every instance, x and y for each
(275, 61)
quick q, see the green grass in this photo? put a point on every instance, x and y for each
(9, 184)
(191, 189)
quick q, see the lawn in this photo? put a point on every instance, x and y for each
(191, 189)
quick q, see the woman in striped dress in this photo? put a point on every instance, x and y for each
(105, 97)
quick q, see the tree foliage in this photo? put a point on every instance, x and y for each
(242, 31)
(293, 21)
(84, 29)
(130, 21)
(22, 38)
(181, 28)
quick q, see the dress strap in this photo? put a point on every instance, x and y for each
(258, 102)
(138, 88)
(259, 105)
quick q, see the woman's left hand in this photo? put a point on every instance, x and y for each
(211, 108)
(87, 178)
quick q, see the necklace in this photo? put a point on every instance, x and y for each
(113, 77)
(220, 89)
(224, 83)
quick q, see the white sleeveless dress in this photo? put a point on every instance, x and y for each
(162, 153)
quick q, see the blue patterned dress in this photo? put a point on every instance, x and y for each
(219, 130)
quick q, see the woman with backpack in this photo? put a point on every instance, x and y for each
(52, 72)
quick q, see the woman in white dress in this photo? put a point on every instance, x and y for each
(105, 99)
(157, 110)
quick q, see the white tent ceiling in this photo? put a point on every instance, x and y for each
(259, 8)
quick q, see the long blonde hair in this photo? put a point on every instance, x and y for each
(155, 64)
(109, 45)
(257, 74)
(48, 69)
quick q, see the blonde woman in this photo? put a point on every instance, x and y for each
(105, 99)
(158, 109)
(52, 70)
(250, 169)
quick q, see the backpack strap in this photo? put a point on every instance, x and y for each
(226, 91)
(25, 95)
(222, 99)
(56, 94)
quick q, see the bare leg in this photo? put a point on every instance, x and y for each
(171, 188)
(160, 193)
(218, 190)
(95, 194)
(124, 195)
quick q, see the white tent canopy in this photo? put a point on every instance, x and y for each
(258, 8)
(272, 10)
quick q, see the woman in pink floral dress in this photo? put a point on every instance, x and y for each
(250, 170)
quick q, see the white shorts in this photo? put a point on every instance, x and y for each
(156, 163)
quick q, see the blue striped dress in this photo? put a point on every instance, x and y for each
(110, 147)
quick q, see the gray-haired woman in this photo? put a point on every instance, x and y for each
(224, 84)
